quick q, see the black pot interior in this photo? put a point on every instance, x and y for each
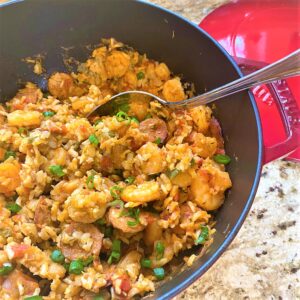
(44, 27)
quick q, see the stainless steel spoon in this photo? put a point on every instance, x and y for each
(283, 68)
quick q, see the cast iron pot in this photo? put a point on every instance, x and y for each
(35, 27)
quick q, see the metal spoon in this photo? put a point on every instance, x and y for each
(285, 67)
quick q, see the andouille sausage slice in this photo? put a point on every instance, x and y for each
(216, 132)
(75, 251)
(155, 129)
(14, 280)
(42, 214)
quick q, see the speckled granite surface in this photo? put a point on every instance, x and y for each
(263, 262)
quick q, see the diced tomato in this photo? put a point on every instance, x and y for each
(19, 250)
(126, 284)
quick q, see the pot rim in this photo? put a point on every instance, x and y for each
(229, 238)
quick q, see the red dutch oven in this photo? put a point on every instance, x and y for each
(43, 27)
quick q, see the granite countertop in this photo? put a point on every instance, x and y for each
(263, 262)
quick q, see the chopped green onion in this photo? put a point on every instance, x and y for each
(148, 116)
(57, 170)
(146, 263)
(113, 193)
(135, 120)
(57, 256)
(88, 261)
(66, 266)
(115, 203)
(98, 297)
(140, 75)
(222, 159)
(90, 182)
(34, 298)
(160, 250)
(132, 223)
(48, 114)
(130, 180)
(100, 222)
(159, 273)
(9, 153)
(116, 245)
(22, 130)
(6, 268)
(93, 140)
(13, 207)
(172, 174)
(97, 122)
(76, 267)
(203, 236)
(122, 116)
(108, 231)
(116, 252)
(193, 162)
(158, 141)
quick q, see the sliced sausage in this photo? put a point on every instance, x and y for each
(16, 279)
(74, 251)
(42, 214)
(154, 129)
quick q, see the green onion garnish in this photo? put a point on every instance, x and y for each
(57, 170)
(9, 153)
(146, 263)
(113, 193)
(158, 141)
(140, 75)
(222, 159)
(90, 182)
(159, 273)
(135, 120)
(88, 261)
(130, 180)
(193, 162)
(34, 298)
(48, 114)
(172, 174)
(93, 140)
(115, 203)
(203, 236)
(160, 250)
(116, 252)
(132, 223)
(6, 268)
(13, 207)
(122, 116)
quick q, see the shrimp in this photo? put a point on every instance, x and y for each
(122, 222)
(142, 193)
(21, 118)
(86, 206)
(9, 177)
(207, 188)
(117, 64)
(155, 159)
(173, 90)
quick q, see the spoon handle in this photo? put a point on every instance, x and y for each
(285, 67)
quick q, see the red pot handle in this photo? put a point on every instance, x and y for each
(284, 114)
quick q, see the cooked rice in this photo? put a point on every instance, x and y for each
(144, 177)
